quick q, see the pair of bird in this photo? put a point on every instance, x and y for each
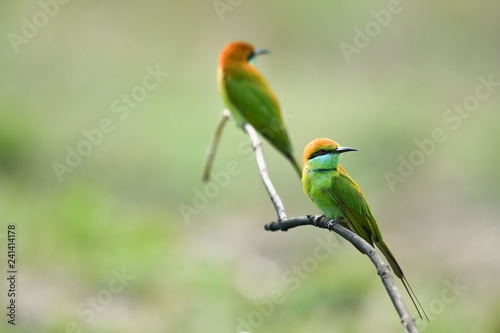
(325, 182)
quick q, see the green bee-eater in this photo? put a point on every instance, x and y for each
(331, 189)
(250, 99)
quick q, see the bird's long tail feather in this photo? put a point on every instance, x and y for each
(399, 273)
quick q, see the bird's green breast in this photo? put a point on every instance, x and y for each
(318, 186)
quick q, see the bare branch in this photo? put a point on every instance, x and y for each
(213, 145)
(257, 148)
(284, 224)
(383, 271)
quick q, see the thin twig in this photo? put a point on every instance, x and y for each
(213, 145)
(320, 221)
(382, 268)
(257, 148)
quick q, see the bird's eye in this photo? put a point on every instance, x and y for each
(319, 152)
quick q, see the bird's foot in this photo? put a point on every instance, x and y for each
(315, 219)
(330, 223)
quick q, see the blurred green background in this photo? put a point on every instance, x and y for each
(215, 269)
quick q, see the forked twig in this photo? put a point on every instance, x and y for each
(284, 224)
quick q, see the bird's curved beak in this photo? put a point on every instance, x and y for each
(251, 57)
(340, 150)
(260, 51)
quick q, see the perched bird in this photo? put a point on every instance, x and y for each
(336, 194)
(250, 99)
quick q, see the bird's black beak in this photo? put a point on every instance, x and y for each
(340, 150)
(251, 57)
(260, 51)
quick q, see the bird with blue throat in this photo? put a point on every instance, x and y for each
(249, 98)
(339, 198)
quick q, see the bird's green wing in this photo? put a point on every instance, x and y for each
(254, 100)
(352, 202)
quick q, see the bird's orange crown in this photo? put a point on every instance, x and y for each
(235, 52)
(317, 144)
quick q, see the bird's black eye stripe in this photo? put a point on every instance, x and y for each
(251, 56)
(319, 153)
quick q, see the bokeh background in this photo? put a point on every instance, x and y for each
(194, 258)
